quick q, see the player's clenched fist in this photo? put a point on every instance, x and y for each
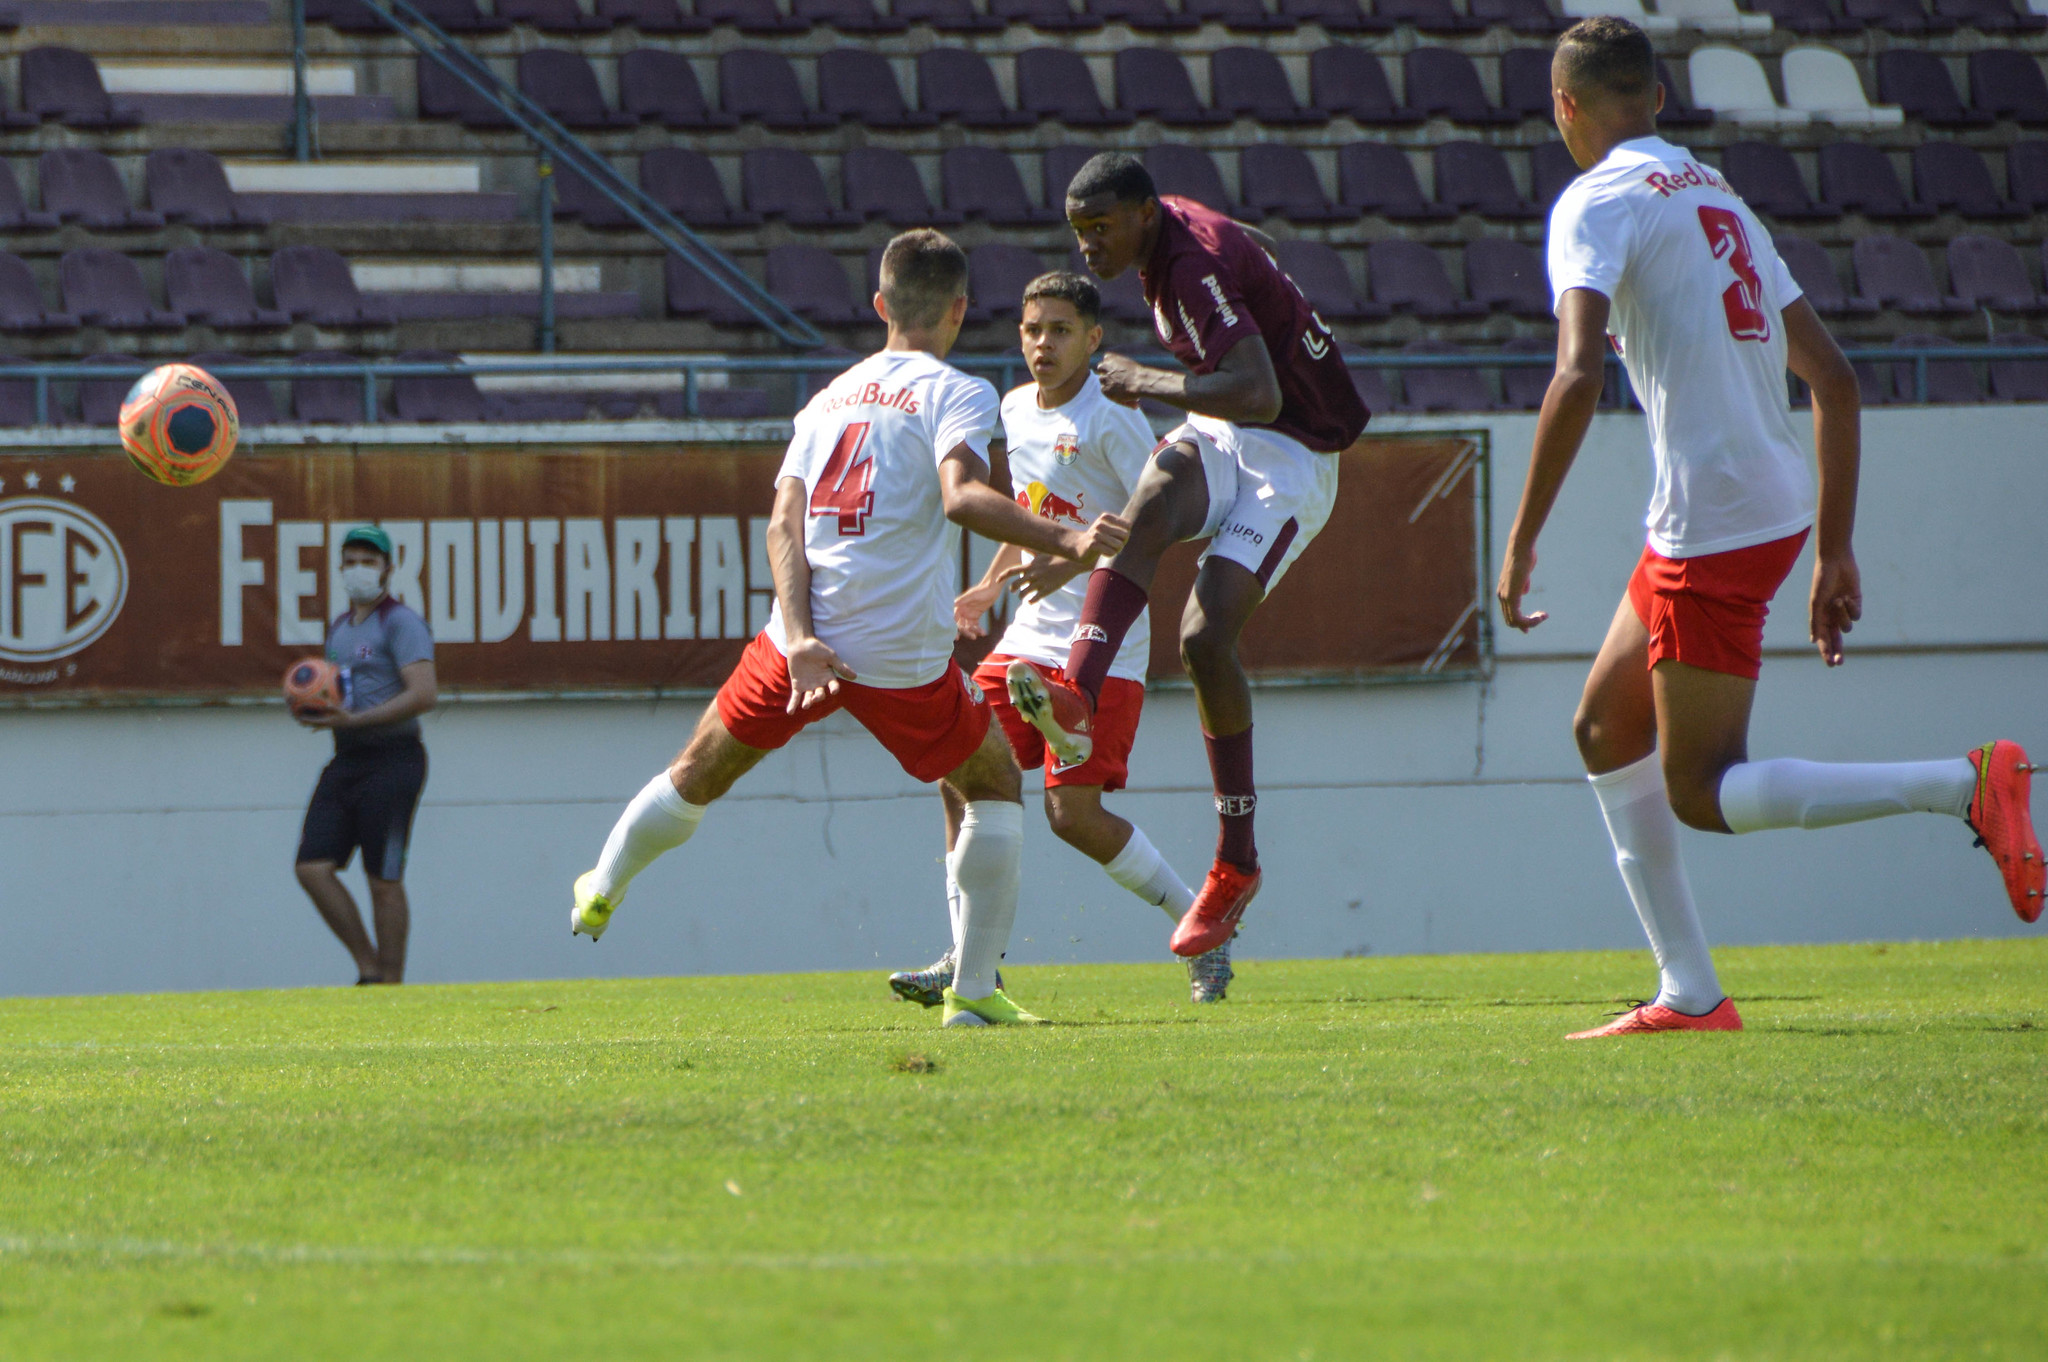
(1120, 377)
(1103, 539)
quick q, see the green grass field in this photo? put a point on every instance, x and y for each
(1351, 1159)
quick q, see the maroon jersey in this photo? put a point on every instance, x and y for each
(1211, 284)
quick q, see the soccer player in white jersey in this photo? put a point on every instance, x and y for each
(1653, 247)
(887, 463)
(1072, 452)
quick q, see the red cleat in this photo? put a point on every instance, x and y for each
(1055, 709)
(1639, 1021)
(1212, 920)
(2004, 825)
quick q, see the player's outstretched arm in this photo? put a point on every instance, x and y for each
(972, 504)
(1836, 602)
(815, 671)
(1568, 407)
(1243, 388)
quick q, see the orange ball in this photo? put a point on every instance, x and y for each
(312, 685)
(179, 425)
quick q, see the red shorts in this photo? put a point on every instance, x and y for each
(1709, 611)
(1116, 728)
(931, 729)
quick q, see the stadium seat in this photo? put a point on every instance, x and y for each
(1047, 16)
(2008, 84)
(1277, 179)
(1719, 17)
(209, 287)
(1441, 81)
(105, 288)
(883, 183)
(653, 16)
(689, 294)
(21, 302)
(1949, 382)
(15, 214)
(1340, 16)
(758, 86)
(1531, 17)
(99, 399)
(957, 85)
(1474, 177)
(435, 397)
(1321, 275)
(1630, 10)
(685, 182)
(561, 82)
(1059, 166)
(849, 16)
(1428, 16)
(1858, 178)
(346, 16)
(1990, 16)
(1143, 16)
(1732, 84)
(657, 86)
(1191, 173)
(553, 16)
(461, 16)
(1239, 16)
(1677, 112)
(782, 182)
(1918, 82)
(1525, 82)
(2018, 380)
(1506, 276)
(1249, 82)
(1953, 177)
(996, 275)
(314, 284)
(1152, 83)
(1907, 18)
(1820, 81)
(1349, 82)
(59, 83)
(1374, 177)
(253, 404)
(1523, 389)
(2026, 174)
(17, 399)
(1054, 82)
(856, 85)
(982, 183)
(1808, 18)
(946, 16)
(1551, 168)
(1123, 298)
(1893, 273)
(443, 95)
(83, 187)
(190, 187)
(809, 281)
(1768, 179)
(755, 18)
(326, 401)
(1451, 389)
(1407, 277)
(1989, 273)
(576, 197)
(1815, 274)
(1369, 382)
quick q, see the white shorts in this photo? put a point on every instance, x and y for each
(1269, 495)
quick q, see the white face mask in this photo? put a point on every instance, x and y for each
(363, 583)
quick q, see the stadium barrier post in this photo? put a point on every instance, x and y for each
(690, 390)
(1920, 379)
(369, 395)
(302, 104)
(547, 251)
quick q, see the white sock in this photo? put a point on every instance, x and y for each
(953, 905)
(657, 820)
(1141, 869)
(987, 863)
(1785, 793)
(1645, 833)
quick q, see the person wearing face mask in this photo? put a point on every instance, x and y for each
(367, 794)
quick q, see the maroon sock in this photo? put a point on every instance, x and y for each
(1113, 605)
(1230, 765)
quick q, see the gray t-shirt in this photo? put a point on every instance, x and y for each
(390, 637)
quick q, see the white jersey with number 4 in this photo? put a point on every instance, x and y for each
(1071, 464)
(885, 561)
(1697, 290)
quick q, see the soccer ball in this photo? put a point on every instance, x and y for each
(179, 425)
(312, 685)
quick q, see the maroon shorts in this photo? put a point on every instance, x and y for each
(1116, 728)
(931, 729)
(1709, 611)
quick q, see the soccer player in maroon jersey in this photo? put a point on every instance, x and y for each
(1253, 469)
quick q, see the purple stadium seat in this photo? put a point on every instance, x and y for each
(782, 182)
(1858, 178)
(957, 85)
(1815, 274)
(209, 287)
(1191, 173)
(1522, 16)
(1249, 82)
(2026, 174)
(1123, 298)
(1058, 168)
(1336, 16)
(653, 16)
(576, 197)
(1905, 17)
(105, 289)
(1506, 276)
(1239, 16)
(1408, 277)
(690, 294)
(1375, 177)
(438, 397)
(314, 285)
(252, 395)
(857, 85)
(760, 87)
(1808, 18)
(1349, 82)
(190, 187)
(848, 16)
(1428, 16)
(17, 399)
(1053, 82)
(752, 17)
(1989, 273)
(346, 16)
(461, 16)
(1523, 389)
(1152, 83)
(21, 302)
(1677, 113)
(1441, 389)
(1474, 177)
(881, 183)
(1953, 177)
(946, 16)
(1551, 168)
(811, 283)
(15, 214)
(982, 183)
(1949, 382)
(326, 401)
(99, 399)
(2019, 380)
(1525, 82)
(1143, 16)
(1370, 383)
(1768, 179)
(1443, 81)
(1990, 16)
(1047, 16)
(1279, 179)
(57, 82)
(562, 83)
(996, 275)
(553, 16)
(683, 180)
(1893, 273)
(1325, 280)
(441, 95)
(84, 187)
(2008, 84)
(657, 86)
(1918, 81)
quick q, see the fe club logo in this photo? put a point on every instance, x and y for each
(63, 579)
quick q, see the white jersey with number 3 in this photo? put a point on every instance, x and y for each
(885, 561)
(1697, 290)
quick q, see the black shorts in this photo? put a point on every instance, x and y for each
(366, 798)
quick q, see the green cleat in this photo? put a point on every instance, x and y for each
(593, 911)
(994, 1010)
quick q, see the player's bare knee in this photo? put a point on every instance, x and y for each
(1206, 644)
(991, 773)
(1070, 821)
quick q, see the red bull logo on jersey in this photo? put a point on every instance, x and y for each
(1694, 176)
(1066, 448)
(874, 395)
(1046, 504)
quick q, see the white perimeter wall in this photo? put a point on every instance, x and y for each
(151, 849)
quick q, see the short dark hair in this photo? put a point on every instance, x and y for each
(923, 271)
(1113, 172)
(1068, 288)
(1607, 54)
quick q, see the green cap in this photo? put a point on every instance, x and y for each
(371, 535)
